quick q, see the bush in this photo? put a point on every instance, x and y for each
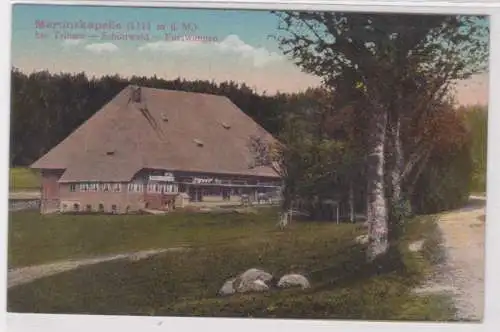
(400, 213)
(477, 120)
(445, 184)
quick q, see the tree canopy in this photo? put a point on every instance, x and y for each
(395, 67)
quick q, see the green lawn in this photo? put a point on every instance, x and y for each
(186, 283)
(21, 178)
(36, 238)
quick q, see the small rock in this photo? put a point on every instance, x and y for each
(416, 246)
(362, 239)
(253, 286)
(227, 288)
(246, 282)
(260, 285)
(256, 274)
(293, 280)
(252, 280)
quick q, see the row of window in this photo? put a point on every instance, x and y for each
(135, 187)
(76, 207)
(116, 187)
(162, 188)
(95, 187)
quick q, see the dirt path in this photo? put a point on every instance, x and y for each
(23, 275)
(462, 273)
(25, 194)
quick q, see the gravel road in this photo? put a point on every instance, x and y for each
(462, 273)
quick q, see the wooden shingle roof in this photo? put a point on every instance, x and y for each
(172, 130)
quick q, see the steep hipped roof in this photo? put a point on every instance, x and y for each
(172, 130)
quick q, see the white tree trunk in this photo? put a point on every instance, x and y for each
(286, 207)
(284, 219)
(398, 162)
(376, 203)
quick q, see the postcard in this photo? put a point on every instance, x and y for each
(193, 162)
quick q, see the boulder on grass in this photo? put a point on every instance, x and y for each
(416, 246)
(362, 239)
(252, 286)
(252, 280)
(256, 274)
(293, 280)
(227, 288)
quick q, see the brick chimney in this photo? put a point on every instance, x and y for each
(135, 94)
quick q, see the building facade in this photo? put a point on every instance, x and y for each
(149, 190)
(158, 150)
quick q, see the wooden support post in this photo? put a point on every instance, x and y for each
(337, 212)
(351, 203)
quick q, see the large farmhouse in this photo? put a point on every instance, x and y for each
(152, 149)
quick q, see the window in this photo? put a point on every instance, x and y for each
(88, 208)
(114, 209)
(160, 188)
(72, 187)
(83, 187)
(101, 207)
(135, 187)
(117, 187)
(76, 207)
(106, 187)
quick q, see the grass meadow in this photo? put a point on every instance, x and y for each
(185, 283)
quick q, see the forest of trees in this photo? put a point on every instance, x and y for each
(48, 107)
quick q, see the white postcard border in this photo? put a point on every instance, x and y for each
(77, 323)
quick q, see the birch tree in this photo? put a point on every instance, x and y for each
(376, 54)
(430, 59)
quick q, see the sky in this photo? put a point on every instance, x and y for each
(236, 46)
